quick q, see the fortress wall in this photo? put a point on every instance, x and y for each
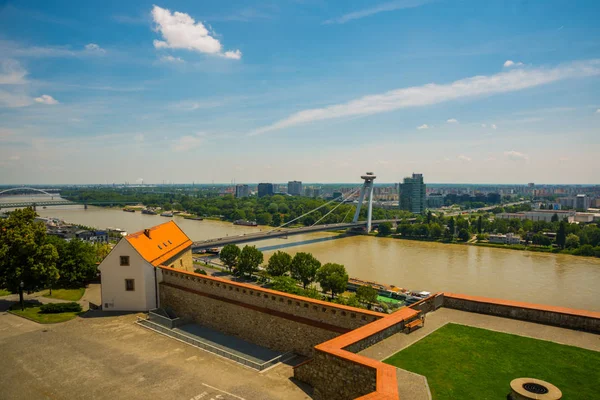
(550, 315)
(276, 320)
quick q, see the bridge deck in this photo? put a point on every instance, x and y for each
(252, 237)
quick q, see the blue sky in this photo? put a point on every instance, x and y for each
(319, 91)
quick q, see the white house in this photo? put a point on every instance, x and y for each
(129, 274)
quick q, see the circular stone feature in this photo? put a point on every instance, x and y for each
(533, 389)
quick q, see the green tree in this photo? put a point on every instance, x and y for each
(385, 228)
(102, 250)
(541, 240)
(435, 230)
(366, 295)
(285, 284)
(76, 261)
(304, 268)
(480, 224)
(250, 259)
(230, 255)
(464, 235)
(554, 218)
(264, 218)
(561, 234)
(572, 241)
(332, 278)
(279, 263)
(25, 254)
(451, 227)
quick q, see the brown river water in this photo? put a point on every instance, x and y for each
(553, 279)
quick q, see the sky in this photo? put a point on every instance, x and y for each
(463, 91)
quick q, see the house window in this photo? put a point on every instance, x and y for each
(130, 285)
(124, 260)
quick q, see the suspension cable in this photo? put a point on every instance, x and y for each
(333, 209)
(305, 214)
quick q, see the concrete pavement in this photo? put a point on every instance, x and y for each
(108, 356)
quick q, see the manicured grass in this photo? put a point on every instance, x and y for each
(4, 292)
(66, 294)
(32, 311)
(462, 362)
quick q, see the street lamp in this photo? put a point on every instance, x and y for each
(21, 285)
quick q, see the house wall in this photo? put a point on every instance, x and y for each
(182, 261)
(113, 275)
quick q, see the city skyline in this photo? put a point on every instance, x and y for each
(501, 93)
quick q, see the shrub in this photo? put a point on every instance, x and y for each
(200, 271)
(57, 308)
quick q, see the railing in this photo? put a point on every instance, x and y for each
(210, 348)
(157, 317)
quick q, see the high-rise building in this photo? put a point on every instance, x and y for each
(582, 202)
(294, 188)
(242, 191)
(265, 189)
(412, 194)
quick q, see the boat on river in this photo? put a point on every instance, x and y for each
(193, 218)
(148, 211)
(245, 222)
(129, 210)
(166, 214)
(389, 291)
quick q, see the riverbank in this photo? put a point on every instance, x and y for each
(533, 248)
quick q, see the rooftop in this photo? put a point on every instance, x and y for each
(159, 243)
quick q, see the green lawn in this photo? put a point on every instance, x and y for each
(32, 311)
(462, 362)
(66, 294)
(4, 292)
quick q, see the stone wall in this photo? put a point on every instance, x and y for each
(541, 314)
(269, 318)
(182, 261)
(336, 378)
(429, 304)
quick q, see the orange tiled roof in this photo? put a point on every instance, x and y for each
(163, 242)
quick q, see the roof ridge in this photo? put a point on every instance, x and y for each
(153, 227)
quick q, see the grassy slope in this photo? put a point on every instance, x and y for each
(463, 362)
(32, 311)
(66, 294)
(4, 292)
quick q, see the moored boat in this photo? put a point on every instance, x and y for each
(166, 214)
(148, 211)
(245, 222)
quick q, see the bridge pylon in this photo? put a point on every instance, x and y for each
(367, 189)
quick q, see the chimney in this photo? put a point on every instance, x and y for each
(147, 233)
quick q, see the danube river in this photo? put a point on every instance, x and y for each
(553, 279)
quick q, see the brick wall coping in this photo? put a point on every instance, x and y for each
(277, 293)
(387, 385)
(519, 304)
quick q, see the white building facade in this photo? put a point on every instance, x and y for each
(129, 276)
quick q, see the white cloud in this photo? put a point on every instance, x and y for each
(14, 158)
(424, 126)
(511, 63)
(11, 73)
(598, 111)
(180, 31)
(171, 59)
(93, 48)
(494, 126)
(139, 138)
(516, 156)
(464, 158)
(46, 99)
(418, 96)
(234, 55)
(186, 143)
(452, 121)
(483, 125)
(389, 6)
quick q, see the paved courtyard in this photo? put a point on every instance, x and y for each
(104, 356)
